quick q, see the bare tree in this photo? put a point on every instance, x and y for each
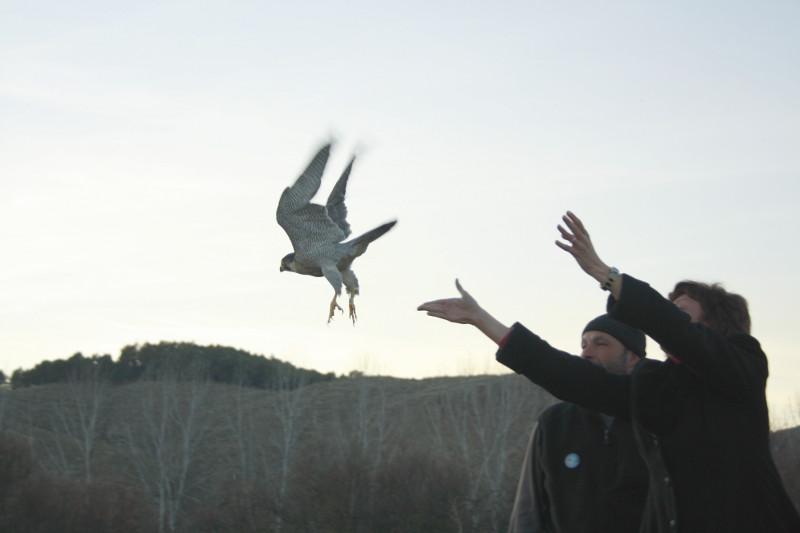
(289, 407)
(262, 429)
(357, 428)
(241, 435)
(166, 436)
(3, 395)
(79, 415)
(482, 421)
(34, 415)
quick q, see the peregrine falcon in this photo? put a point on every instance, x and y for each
(317, 231)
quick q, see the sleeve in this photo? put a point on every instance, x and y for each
(567, 377)
(526, 513)
(731, 364)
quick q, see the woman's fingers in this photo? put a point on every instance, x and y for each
(575, 226)
(566, 235)
(433, 305)
(564, 247)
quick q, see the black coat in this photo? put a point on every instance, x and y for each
(582, 474)
(702, 425)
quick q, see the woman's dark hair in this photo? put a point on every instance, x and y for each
(723, 311)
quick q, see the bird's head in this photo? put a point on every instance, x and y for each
(287, 263)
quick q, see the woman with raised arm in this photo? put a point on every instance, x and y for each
(700, 417)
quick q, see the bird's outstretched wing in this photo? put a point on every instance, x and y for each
(308, 225)
(337, 211)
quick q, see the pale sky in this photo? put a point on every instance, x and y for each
(144, 145)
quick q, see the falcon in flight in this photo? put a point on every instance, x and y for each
(317, 231)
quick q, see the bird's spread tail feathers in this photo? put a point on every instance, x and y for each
(362, 241)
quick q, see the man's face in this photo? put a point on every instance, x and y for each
(604, 350)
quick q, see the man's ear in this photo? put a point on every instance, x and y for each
(632, 360)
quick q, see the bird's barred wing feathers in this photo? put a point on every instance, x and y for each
(307, 225)
(337, 211)
(305, 187)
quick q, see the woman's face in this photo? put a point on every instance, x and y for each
(690, 307)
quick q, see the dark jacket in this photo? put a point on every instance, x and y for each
(701, 424)
(582, 474)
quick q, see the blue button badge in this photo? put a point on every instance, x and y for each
(572, 460)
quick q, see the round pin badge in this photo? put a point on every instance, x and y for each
(572, 460)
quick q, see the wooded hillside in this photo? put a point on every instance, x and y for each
(174, 453)
(177, 451)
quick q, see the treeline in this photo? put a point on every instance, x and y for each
(356, 454)
(177, 452)
(220, 363)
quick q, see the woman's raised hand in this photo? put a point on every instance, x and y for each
(579, 245)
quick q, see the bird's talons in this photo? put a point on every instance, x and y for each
(334, 306)
(352, 311)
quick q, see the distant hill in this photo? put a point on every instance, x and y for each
(220, 364)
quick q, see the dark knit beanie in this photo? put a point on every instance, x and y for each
(631, 338)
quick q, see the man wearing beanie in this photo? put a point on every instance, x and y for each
(582, 472)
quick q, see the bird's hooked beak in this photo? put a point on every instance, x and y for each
(287, 263)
